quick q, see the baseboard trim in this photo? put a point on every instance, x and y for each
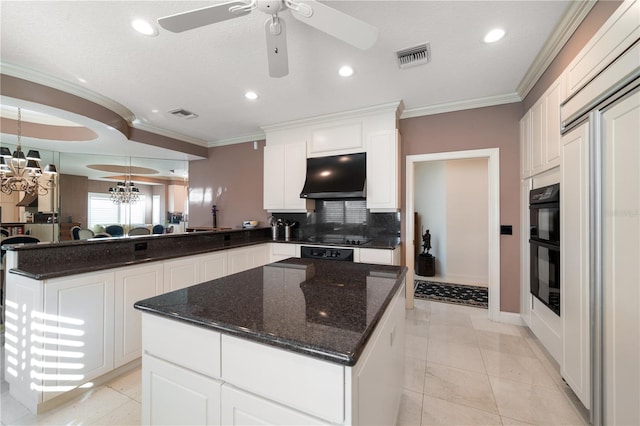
(510, 318)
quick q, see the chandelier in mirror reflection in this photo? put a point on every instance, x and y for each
(23, 173)
(124, 193)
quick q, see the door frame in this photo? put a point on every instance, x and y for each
(493, 249)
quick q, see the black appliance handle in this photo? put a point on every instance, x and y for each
(550, 246)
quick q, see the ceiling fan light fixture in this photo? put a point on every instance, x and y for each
(144, 27)
(494, 35)
(252, 96)
(345, 71)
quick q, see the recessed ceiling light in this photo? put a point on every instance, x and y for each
(345, 71)
(154, 111)
(252, 96)
(494, 35)
(144, 27)
(82, 80)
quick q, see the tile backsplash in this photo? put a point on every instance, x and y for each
(344, 217)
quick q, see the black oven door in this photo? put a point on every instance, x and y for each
(545, 274)
(545, 222)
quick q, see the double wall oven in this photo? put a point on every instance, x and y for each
(544, 241)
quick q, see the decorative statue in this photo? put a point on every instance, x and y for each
(426, 242)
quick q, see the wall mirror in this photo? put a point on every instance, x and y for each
(94, 192)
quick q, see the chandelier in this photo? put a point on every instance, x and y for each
(125, 192)
(23, 173)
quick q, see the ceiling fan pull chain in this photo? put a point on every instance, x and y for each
(301, 8)
(275, 28)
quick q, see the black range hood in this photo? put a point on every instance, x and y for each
(336, 177)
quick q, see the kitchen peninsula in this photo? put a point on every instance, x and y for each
(299, 341)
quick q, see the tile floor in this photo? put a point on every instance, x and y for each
(462, 369)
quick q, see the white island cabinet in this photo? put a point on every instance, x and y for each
(204, 375)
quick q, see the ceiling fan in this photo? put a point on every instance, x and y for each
(324, 18)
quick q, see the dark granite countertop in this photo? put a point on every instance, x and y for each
(58, 259)
(320, 308)
(51, 260)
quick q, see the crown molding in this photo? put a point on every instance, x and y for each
(65, 86)
(574, 16)
(508, 98)
(137, 124)
(393, 107)
(240, 139)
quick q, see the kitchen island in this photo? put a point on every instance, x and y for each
(299, 341)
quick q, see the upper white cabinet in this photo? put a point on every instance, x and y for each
(540, 132)
(525, 146)
(285, 168)
(336, 138)
(383, 157)
(371, 130)
(611, 40)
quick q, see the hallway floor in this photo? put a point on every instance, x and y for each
(462, 369)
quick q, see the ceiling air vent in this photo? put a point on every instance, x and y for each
(417, 55)
(183, 113)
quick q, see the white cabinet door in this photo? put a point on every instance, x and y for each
(295, 173)
(273, 177)
(525, 261)
(554, 95)
(285, 169)
(241, 259)
(525, 146)
(180, 273)
(237, 260)
(240, 408)
(78, 320)
(172, 395)
(212, 266)
(620, 260)
(575, 364)
(378, 376)
(538, 133)
(132, 284)
(382, 171)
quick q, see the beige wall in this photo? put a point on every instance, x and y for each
(235, 170)
(467, 183)
(491, 127)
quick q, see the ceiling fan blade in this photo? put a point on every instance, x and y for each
(200, 17)
(277, 47)
(335, 23)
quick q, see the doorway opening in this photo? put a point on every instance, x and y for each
(493, 218)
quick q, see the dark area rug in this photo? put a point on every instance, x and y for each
(452, 293)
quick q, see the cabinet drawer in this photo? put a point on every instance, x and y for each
(307, 384)
(182, 344)
(377, 256)
(241, 408)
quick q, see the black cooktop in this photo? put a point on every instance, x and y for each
(345, 240)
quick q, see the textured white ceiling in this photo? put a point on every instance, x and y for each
(207, 70)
